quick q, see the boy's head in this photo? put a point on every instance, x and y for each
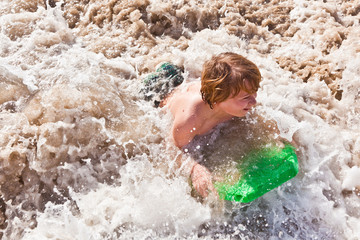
(224, 76)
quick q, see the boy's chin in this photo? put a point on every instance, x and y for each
(241, 114)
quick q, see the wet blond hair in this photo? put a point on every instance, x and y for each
(224, 76)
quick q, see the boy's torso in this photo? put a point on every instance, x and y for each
(189, 110)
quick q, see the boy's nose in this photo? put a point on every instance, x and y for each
(253, 100)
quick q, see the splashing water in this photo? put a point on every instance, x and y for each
(82, 156)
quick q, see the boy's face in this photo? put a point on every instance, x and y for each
(238, 105)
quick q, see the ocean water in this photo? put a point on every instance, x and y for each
(83, 156)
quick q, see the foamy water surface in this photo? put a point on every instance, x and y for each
(84, 157)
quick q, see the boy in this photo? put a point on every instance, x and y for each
(228, 87)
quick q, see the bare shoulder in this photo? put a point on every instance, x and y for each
(186, 108)
(184, 101)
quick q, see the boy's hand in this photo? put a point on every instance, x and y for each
(202, 180)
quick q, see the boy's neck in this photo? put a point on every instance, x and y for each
(217, 115)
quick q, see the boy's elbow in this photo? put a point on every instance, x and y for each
(182, 134)
(179, 140)
(180, 143)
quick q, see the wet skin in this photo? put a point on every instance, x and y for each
(192, 117)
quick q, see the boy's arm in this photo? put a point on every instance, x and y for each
(183, 132)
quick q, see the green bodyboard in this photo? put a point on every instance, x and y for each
(260, 171)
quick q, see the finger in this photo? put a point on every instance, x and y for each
(207, 188)
(204, 190)
(200, 189)
(211, 187)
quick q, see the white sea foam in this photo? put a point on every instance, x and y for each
(82, 156)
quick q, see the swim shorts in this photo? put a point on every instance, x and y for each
(159, 84)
